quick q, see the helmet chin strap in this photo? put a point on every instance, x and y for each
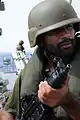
(48, 55)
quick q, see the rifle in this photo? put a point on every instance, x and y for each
(32, 108)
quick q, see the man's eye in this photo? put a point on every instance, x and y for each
(70, 26)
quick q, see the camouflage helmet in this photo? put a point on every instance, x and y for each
(50, 15)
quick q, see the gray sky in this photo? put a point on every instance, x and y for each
(13, 21)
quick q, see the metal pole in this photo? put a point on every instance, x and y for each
(2, 6)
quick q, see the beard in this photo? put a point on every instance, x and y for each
(64, 48)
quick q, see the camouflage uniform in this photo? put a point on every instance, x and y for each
(30, 77)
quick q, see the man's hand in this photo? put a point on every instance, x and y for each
(51, 96)
(5, 116)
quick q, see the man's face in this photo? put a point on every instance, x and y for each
(61, 42)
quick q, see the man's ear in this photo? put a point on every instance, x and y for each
(40, 41)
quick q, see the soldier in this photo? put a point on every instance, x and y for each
(53, 25)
